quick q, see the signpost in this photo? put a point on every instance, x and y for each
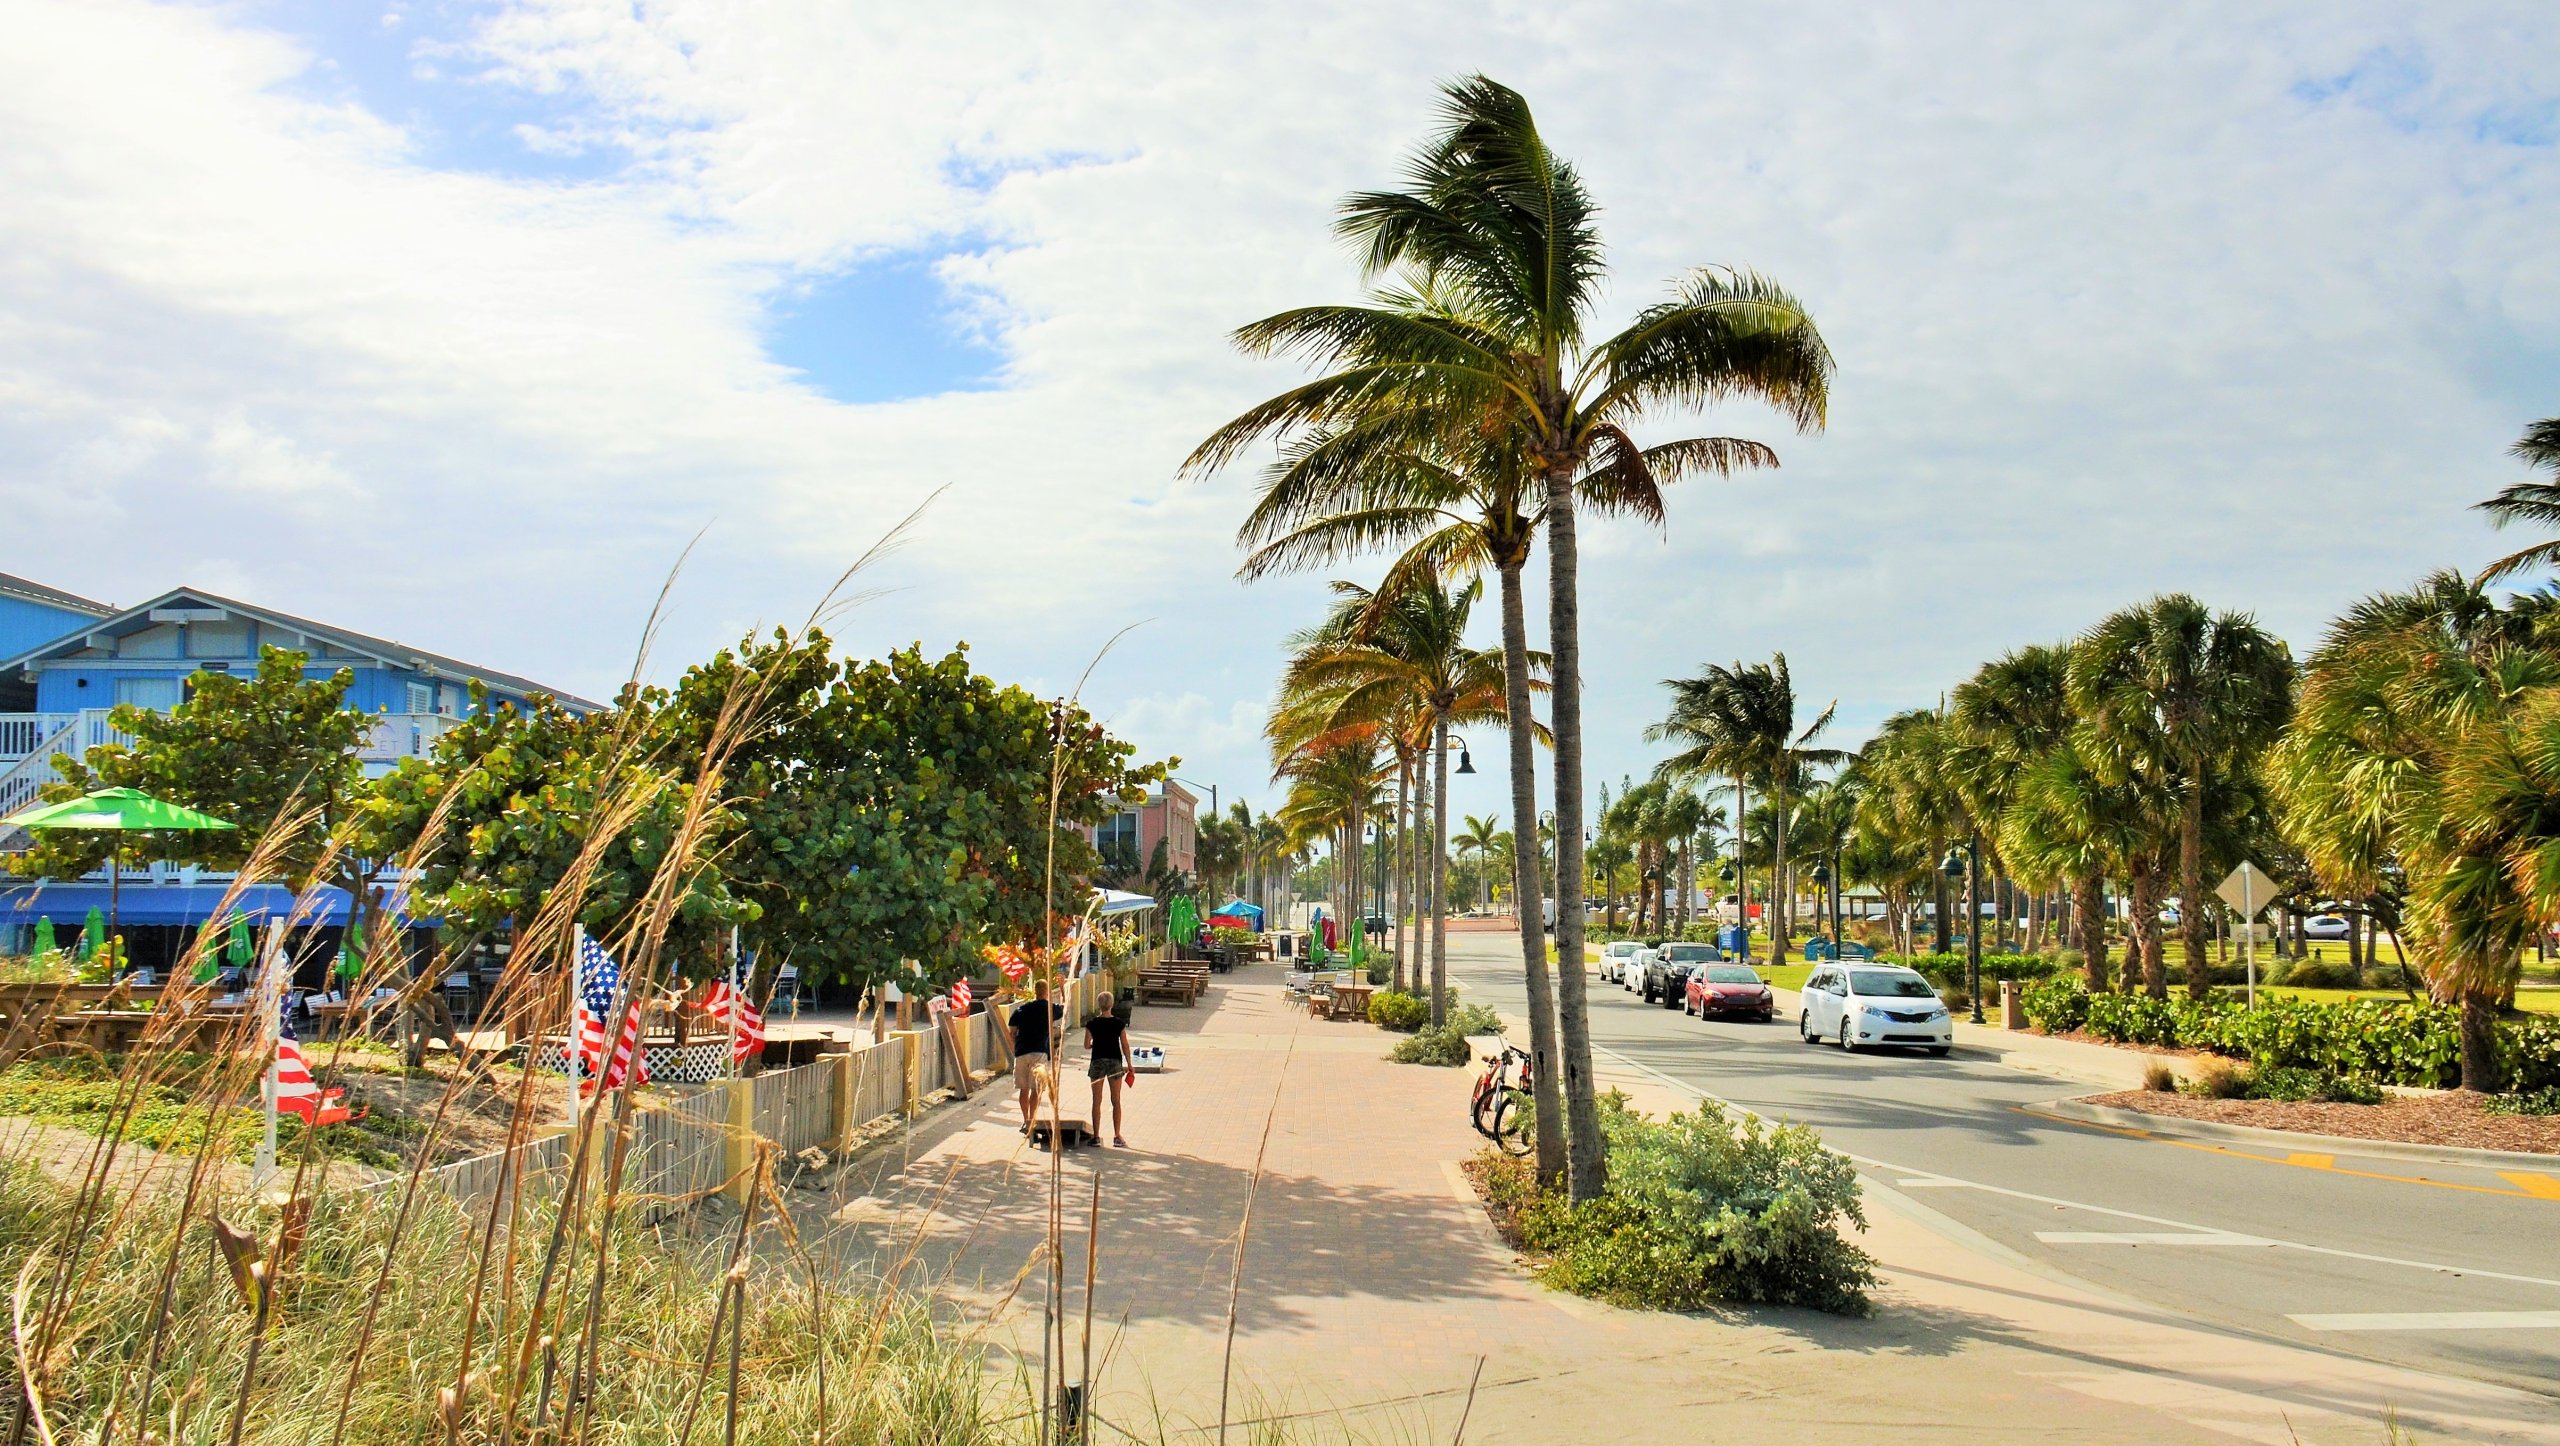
(2242, 891)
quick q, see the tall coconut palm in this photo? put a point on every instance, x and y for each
(1913, 796)
(2177, 691)
(2418, 743)
(1494, 238)
(2012, 712)
(2536, 501)
(1740, 722)
(1403, 658)
(1479, 837)
(2070, 820)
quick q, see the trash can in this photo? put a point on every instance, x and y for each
(2013, 1005)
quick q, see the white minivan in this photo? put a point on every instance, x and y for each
(1860, 1005)
(1614, 958)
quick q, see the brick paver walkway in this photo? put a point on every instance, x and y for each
(1376, 1304)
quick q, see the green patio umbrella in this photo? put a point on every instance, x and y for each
(44, 937)
(119, 811)
(93, 934)
(1182, 922)
(351, 954)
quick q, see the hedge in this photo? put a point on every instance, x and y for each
(1947, 971)
(2387, 1041)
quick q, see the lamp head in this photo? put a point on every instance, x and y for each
(1466, 761)
(1954, 866)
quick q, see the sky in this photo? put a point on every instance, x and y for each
(460, 323)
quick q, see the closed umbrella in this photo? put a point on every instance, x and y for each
(119, 811)
(44, 937)
(93, 934)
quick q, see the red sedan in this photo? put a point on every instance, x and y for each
(1730, 991)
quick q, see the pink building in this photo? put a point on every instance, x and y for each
(1173, 815)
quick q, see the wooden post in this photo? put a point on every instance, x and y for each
(840, 1120)
(739, 1155)
(952, 1036)
(912, 1057)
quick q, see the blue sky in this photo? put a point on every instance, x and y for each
(456, 322)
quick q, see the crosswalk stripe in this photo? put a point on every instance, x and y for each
(2433, 1320)
(2146, 1237)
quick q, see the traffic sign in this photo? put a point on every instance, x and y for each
(2248, 891)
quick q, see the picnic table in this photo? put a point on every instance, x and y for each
(1351, 1001)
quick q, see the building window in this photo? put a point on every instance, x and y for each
(157, 694)
(422, 698)
(1119, 829)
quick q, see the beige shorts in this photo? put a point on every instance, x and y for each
(1026, 1070)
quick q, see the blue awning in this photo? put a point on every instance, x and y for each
(143, 905)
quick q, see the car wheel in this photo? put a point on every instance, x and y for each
(1846, 1045)
(1804, 1028)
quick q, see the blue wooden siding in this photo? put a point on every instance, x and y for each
(26, 625)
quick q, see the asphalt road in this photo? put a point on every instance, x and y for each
(2432, 1266)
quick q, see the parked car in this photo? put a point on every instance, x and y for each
(1666, 977)
(1613, 959)
(1730, 991)
(1631, 974)
(1860, 1005)
(2325, 926)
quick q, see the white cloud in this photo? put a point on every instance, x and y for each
(2125, 297)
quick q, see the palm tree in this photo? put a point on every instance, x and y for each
(1479, 838)
(1740, 722)
(2420, 741)
(2191, 697)
(1912, 798)
(2011, 713)
(1493, 237)
(1824, 820)
(1403, 659)
(2070, 820)
(2535, 501)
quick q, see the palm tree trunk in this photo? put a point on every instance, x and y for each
(2479, 1038)
(1439, 874)
(1587, 1157)
(2088, 905)
(2191, 926)
(1782, 894)
(1526, 886)
(1400, 868)
(1741, 875)
(2146, 923)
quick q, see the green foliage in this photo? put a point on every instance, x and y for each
(1394, 1009)
(1441, 1046)
(1471, 1019)
(1702, 1208)
(2311, 974)
(515, 797)
(2541, 1102)
(2287, 1082)
(270, 750)
(89, 1094)
(1948, 971)
(2378, 1040)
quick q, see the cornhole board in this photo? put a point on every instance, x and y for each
(1074, 1131)
(1147, 1059)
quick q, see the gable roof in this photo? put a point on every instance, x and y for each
(396, 654)
(36, 592)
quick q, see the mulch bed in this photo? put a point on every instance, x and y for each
(2455, 1120)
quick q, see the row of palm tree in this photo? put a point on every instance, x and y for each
(1466, 408)
(1655, 829)
(1739, 724)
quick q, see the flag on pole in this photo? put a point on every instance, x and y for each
(599, 981)
(960, 996)
(295, 1090)
(735, 1008)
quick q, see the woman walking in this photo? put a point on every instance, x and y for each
(1106, 1038)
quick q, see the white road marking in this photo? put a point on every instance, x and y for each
(1934, 1182)
(1890, 1168)
(2144, 1237)
(2433, 1320)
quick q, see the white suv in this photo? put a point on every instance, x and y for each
(1856, 1005)
(1614, 958)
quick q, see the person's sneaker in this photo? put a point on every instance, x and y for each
(1118, 1143)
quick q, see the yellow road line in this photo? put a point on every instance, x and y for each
(2528, 1186)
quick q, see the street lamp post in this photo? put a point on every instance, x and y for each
(1822, 881)
(1967, 864)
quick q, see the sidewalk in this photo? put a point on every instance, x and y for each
(1375, 1303)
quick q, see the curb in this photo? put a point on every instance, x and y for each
(2292, 1141)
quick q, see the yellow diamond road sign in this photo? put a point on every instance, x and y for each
(2248, 890)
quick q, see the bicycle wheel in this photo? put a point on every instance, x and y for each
(1511, 1125)
(1486, 1108)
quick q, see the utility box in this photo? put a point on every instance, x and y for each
(2013, 1005)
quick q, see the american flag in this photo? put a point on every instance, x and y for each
(296, 1091)
(960, 996)
(735, 1007)
(599, 979)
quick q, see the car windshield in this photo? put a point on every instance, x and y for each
(1623, 946)
(1893, 985)
(1731, 974)
(1691, 953)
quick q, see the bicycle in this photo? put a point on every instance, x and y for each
(1500, 1107)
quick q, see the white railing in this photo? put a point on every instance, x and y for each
(23, 781)
(404, 735)
(24, 733)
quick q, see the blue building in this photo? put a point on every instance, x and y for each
(66, 661)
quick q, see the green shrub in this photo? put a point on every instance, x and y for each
(1394, 1009)
(2529, 1054)
(1442, 1047)
(2219, 1079)
(1949, 971)
(1704, 1208)
(1466, 1019)
(2288, 1082)
(2057, 1005)
(2540, 1102)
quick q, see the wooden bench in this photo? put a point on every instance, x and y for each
(1172, 984)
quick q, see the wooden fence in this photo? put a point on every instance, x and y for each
(691, 1142)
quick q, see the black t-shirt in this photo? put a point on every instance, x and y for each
(1110, 1036)
(1031, 1025)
